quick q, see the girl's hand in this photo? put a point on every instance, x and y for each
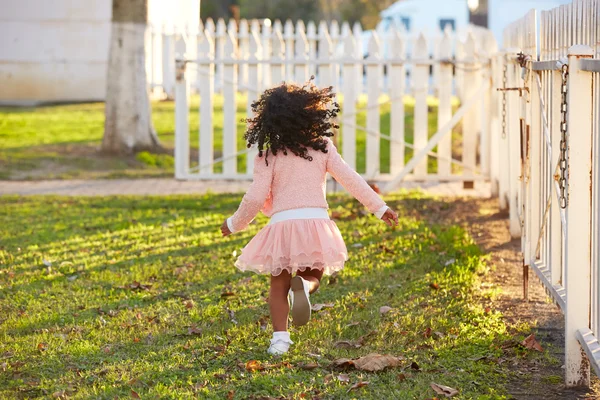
(225, 229)
(390, 217)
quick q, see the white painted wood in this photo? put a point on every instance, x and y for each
(444, 89)
(311, 36)
(514, 151)
(244, 52)
(495, 124)
(220, 40)
(254, 88)
(168, 78)
(288, 37)
(420, 89)
(206, 72)
(349, 104)
(266, 45)
(338, 51)
(326, 77)
(374, 82)
(397, 76)
(503, 175)
(578, 234)
(182, 126)
(301, 52)
(278, 66)
(556, 245)
(229, 105)
(472, 80)
(357, 32)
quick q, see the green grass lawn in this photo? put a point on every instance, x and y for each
(126, 296)
(62, 141)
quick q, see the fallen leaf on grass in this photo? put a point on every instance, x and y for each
(427, 332)
(445, 390)
(347, 344)
(449, 262)
(415, 366)
(42, 346)
(371, 362)
(194, 330)
(309, 366)
(253, 365)
(532, 344)
(358, 385)
(189, 304)
(230, 395)
(401, 377)
(352, 324)
(319, 307)
(385, 309)
(135, 395)
(434, 286)
(343, 378)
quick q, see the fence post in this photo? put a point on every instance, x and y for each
(374, 81)
(301, 56)
(311, 35)
(229, 105)
(220, 40)
(288, 37)
(471, 81)
(512, 134)
(168, 63)
(397, 76)
(244, 51)
(349, 106)
(182, 126)
(444, 82)
(206, 87)
(324, 56)
(421, 89)
(357, 32)
(254, 88)
(578, 215)
(278, 65)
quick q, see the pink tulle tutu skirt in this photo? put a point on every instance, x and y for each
(295, 245)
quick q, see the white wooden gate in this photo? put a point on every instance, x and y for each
(553, 127)
(230, 60)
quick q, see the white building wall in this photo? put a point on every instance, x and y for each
(503, 12)
(425, 15)
(57, 50)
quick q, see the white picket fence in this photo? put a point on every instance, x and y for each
(228, 59)
(552, 145)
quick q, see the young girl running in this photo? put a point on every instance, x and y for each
(292, 127)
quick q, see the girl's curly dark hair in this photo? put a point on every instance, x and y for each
(292, 118)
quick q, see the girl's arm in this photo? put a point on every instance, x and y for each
(354, 183)
(255, 197)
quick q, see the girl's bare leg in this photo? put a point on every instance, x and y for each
(278, 303)
(313, 277)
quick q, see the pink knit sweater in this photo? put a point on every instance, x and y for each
(291, 182)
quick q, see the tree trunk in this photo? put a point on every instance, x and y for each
(128, 124)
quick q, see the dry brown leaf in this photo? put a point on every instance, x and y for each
(376, 362)
(227, 294)
(385, 309)
(434, 285)
(444, 390)
(401, 377)
(42, 346)
(427, 332)
(532, 344)
(319, 307)
(194, 330)
(358, 385)
(189, 304)
(308, 367)
(343, 378)
(254, 365)
(347, 344)
(230, 395)
(415, 366)
(134, 394)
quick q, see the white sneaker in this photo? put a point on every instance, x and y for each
(280, 344)
(300, 301)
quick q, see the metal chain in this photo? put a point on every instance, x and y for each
(504, 80)
(562, 182)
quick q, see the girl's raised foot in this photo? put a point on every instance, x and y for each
(300, 299)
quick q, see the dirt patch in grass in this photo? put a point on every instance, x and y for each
(535, 378)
